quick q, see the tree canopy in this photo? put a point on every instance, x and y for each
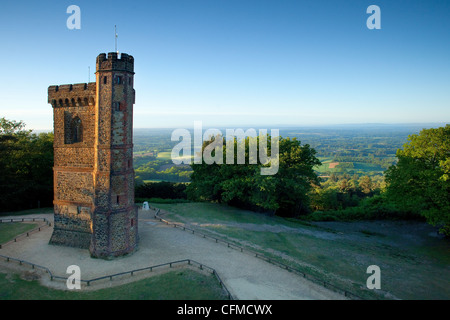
(26, 161)
(284, 193)
(419, 182)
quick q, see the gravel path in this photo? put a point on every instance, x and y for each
(245, 276)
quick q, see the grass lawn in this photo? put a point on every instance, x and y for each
(414, 262)
(183, 284)
(8, 230)
(27, 212)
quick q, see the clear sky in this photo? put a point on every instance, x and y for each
(236, 62)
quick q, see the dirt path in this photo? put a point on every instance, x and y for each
(245, 276)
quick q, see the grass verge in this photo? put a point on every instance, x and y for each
(183, 284)
(414, 262)
(9, 230)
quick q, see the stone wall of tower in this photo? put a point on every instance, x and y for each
(73, 163)
(115, 218)
(93, 171)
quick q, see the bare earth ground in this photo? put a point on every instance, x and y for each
(246, 277)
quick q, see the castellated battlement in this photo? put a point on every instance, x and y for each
(72, 95)
(113, 62)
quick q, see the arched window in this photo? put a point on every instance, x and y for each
(76, 130)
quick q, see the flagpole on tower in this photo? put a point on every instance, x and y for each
(115, 38)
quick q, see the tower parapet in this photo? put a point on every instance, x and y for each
(113, 62)
(72, 95)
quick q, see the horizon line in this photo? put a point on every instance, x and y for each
(292, 125)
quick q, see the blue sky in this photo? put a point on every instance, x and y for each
(235, 63)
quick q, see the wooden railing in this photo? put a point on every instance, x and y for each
(25, 234)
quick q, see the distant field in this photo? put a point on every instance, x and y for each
(333, 165)
(367, 167)
(167, 155)
(152, 180)
(329, 166)
(142, 154)
(325, 167)
(414, 262)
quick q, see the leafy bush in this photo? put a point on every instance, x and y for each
(159, 200)
(419, 182)
(162, 190)
(26, 162)
(373, 208)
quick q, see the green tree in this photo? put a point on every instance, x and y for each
(344, 185)
(163, 190)
(365, 184)
(284, 193)
(419, 182)
(26, 162)
(324, 199)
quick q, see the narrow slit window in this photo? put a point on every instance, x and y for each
(105, 80)
(76, 131)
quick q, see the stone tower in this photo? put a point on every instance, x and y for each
(93, 167)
